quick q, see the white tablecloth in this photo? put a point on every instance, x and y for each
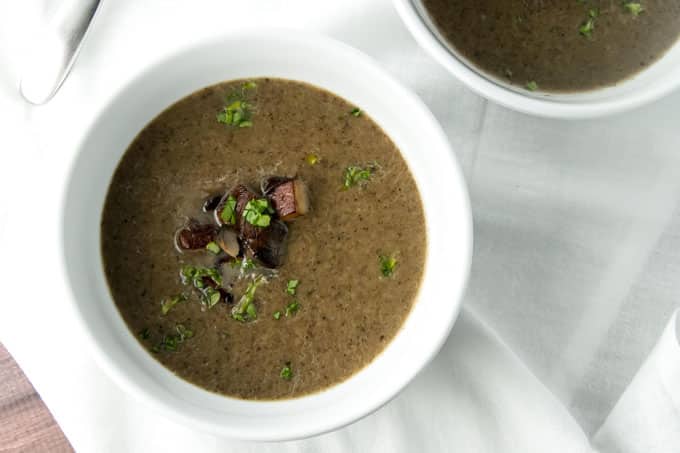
(576, 267)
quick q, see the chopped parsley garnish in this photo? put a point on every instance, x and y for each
(245, 264)
(237, 111)
(532, 86)
(245, 309)
(186, 274)
(312, 159)
(195, 275)
(206, 280)
(251, 311)
(228, 213)
(634, 8)
(291, 286)
(171, 342)
(183, 333)
(258, 212)
(144, 334)
(286, 372)
(236, 114)
(586, 29)
(356, 112)
(387, 265)
(292, 308)
(212, 247)
(277, 315)
(355, 175)
(210, 297)
(168, 304)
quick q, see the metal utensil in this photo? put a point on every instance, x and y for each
(55, 50)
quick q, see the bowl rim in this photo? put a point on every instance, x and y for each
(138, 391)
(515, 100)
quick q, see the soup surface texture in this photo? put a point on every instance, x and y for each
(558, 45)
(357, 255)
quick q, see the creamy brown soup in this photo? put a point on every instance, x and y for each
(558, 45)
(351, 298)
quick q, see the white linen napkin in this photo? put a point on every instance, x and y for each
(647, 417)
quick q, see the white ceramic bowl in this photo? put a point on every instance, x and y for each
(654, 82)
(348, 73)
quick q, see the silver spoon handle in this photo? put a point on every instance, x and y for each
(55, 49)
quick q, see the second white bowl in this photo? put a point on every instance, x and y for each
(654, 82)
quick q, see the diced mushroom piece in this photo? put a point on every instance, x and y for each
(281, 193)
(288, 196)
(302, 203)
(227, 239)
(272, 182)
(194, 236)
(236, 199)
(267, 245)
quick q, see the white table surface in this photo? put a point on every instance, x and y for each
(576, 266)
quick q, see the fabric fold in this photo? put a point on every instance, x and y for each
(646, 419)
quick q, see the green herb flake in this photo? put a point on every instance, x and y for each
(586, 29)
(356, 112)
(387, 265)
(251, 311)
(210, 297)
(144, 334)
(286, 372)
(183, 333)
(205, 280)
(312, 159)
(171, 342)
(195, 274)
(245, 309)
(168, 304)
(532, 86)
(228, 214)
(246, 264)
(291, 286)
(187, 273)
(213, 248)
(235, 114)
(214, 275)
(214, 299)
(237, 111)
(355, 175)
(239, 317)
(277, 315)
(634, 8)
(258, 212)
(292, 308)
